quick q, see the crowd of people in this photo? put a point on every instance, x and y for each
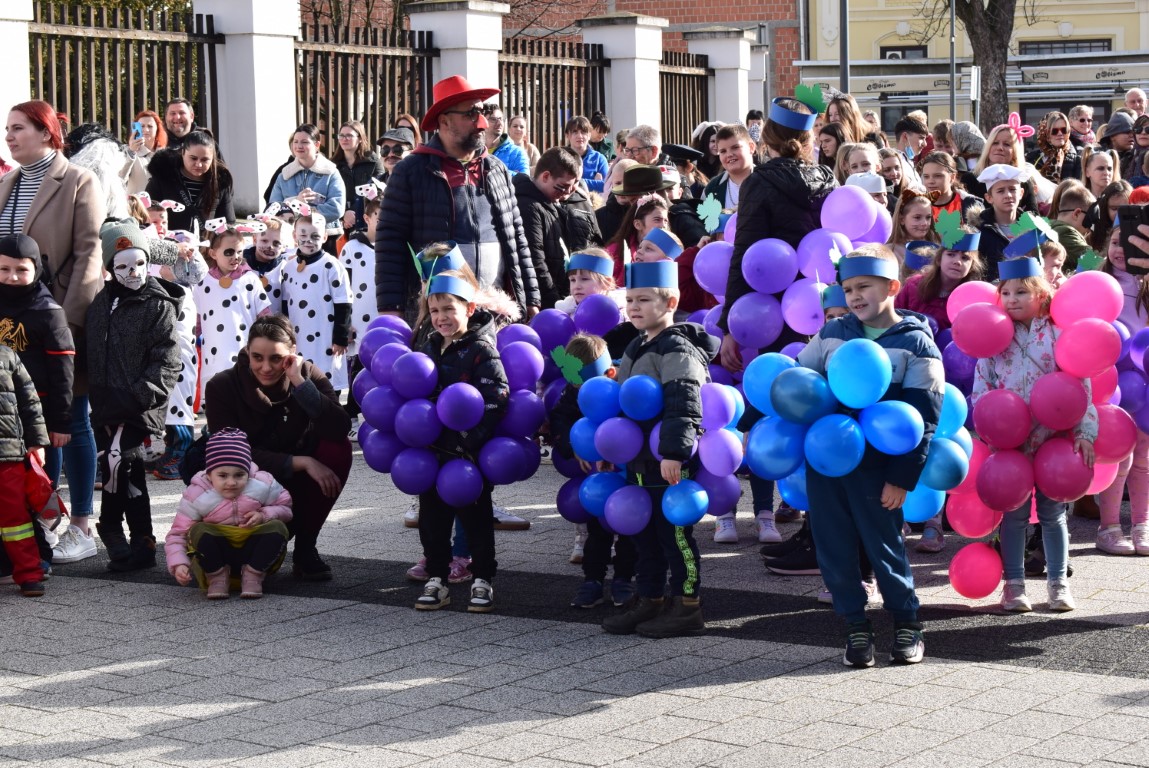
(135, 301)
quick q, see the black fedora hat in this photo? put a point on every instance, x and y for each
(640, 179)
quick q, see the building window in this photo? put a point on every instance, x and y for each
(898, 52)
(1054, 47)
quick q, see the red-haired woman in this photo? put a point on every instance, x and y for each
(151, 137)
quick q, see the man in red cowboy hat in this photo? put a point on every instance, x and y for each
(450, 188)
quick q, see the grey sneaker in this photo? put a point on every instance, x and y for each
(1060, 598)
(1013, 597)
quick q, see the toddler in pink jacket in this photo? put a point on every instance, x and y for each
(231, 520)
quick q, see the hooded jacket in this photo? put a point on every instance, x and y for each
(420, 209)
(992, 245)
(544, 237)
(322, 178)
(21, 422)
(34, 326)
(167, 183)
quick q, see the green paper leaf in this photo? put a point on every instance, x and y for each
(950, 228)
(710, 211)
(570, 365)
(1090, 260)
(812, 96)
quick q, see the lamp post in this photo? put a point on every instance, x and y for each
(844, 46)
(953, 62)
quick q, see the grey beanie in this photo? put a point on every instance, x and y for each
(1119, 123)
(967, 138)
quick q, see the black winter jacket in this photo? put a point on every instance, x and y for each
(21, 421)
(580, 226)
(1070, 164)
(782, 198)
(133, 354)
(418, 210)
(370, 167)
(609, 218)
(991, 248)
(544, 238)
(685, 223)
(35, 327)
(564, 415)
(167, 183)
(475, 360)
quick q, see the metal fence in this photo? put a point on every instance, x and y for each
(104, 65)
(684, 80)
(370, 74)
(551, 81)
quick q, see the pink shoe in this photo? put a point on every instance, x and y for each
(418, 571)
(460, 570)
(251, 583)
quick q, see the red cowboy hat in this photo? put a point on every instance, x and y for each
(450, 91)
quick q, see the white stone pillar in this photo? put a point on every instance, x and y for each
(256, 94)
(633, 43)
(468, 34)
(14, 54)
(759, 62)
(728, 53)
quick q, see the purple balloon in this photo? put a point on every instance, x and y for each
(710, 322)
(596, 314)
(397, 324)
(723, 491)
(501, 460)
(755, 320)
(524, 415)
(518, 332)
(1126, 337)
(698, 316)
(849, 210)
(802, 306)
(380, 450)
(460, 407)
(712, 266)
(383, 361)
(770, 265)
(568, 503)
(628, 510)
(379, 407)
(459, 483)
(731, 229)
(718, 405)
(959, 368)
(554, 328)
(523, 364)
(814, 258)
(532, 457)
(618, 440)
(552, 393)
(413, 375)
(721, 451)
(364, 383)
(551, 372)
(720, 375)
(364, 432)
(414, 470)
(1137, 346)
(943, 338)
(567, 467)
(655, 436)
(373, 340)
(1132, 386)
(793, 349)
(417, 424)
(883, 227)
(1141, 418)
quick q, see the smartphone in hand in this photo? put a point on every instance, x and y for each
(137, 131)
(1130, 217)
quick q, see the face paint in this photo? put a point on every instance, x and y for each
(130, 268)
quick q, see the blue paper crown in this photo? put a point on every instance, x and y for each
(916, 261)
(833, 296)
(652, 274)
(969, 242)
(1024, 243)
(723, 218)
(859, 266)
(453, 285)
(598, 264)
(664, 241)
(598, 368)
(452, 259)
(1019, 269)
(789, 118)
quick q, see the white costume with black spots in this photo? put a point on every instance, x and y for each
(181, 403)
(272, 280)
(312, 286)
(225, 315)
(358, 260)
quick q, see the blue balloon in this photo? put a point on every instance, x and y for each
(963, 438)
(859, 373)
(759, 377)
(774, 449)
(582, 440)
(792, 489)
(922, 503)
(596, 489)
(640, 398)
(598, 399)
(685, 504)
(954, 412)
(835, 444)
(739, 407)
(946, 465)
(802, 395)
(893, 427)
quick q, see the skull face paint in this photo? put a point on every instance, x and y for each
(130, 268)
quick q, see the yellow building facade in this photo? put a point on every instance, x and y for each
(1074, 53)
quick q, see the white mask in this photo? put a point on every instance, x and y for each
(130, 268)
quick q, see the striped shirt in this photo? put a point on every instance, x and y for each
(28, 181)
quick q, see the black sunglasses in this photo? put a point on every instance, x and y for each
(396, 149)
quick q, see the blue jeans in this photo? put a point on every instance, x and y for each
(78, 459)
(1054, 538)
(762, 493)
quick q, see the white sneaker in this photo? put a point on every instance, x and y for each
(725, 531)
(505, 521)
(824, 596)
(1114, 541)
(1140, 536)
(74, 546)
(1013, 597)
(767, 530)
(435, 595)
(1060, 598)
(50, 535)
(872, 593)
(482, 597)
(411, 517)
(579, 544)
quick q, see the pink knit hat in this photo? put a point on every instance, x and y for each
(227, 448)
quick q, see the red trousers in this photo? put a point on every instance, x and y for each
(17, 529)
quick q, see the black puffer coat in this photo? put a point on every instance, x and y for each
(580, 226)
(35, 327)
(364, 170)
(21, 421)
(544, 238)
(992, 246)
(167, 183)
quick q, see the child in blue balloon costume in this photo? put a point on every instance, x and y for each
(677, 357)
(865, 504)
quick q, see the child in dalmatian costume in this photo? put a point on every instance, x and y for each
(358, 259)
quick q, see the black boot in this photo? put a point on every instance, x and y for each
(638, 610)
(682, 617)
(114, 541)
(306, 564)
(143, 555)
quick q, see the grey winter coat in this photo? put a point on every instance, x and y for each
(21, 420)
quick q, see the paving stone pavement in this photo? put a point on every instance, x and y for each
(137, 671)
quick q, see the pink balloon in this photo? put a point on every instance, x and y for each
(1116, 435)
(1058, 401)
(983, 330)
(970, 517)
(883, 227)
(849, 210)
(968, 486)
(1103, 477)
(1091, 294)
(802, 306)
(976, 570)
(770, 265)
(1001, 418)
(1059, 472)
(712, 266)
(1005, 480)
(814, 257)
(973, 292)
(1086, 348)
(1104, 385)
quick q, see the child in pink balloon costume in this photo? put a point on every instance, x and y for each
(1025, 296)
